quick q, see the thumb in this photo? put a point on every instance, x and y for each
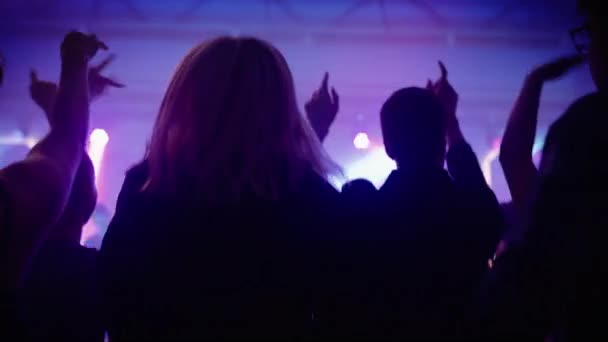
(444, 70)
(335, 97)
(429, 84)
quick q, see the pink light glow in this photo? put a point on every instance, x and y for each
(97, 144)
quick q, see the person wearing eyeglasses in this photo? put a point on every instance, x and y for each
(590, 42)
(552, 286)
(591, 39)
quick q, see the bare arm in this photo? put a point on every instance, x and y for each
(518, 142)
(36, 189)
(518, 139)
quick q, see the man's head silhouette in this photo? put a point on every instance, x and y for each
(414, 128)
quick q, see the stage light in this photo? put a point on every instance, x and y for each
(361, 141)
(492, 155)
(99, 136)
(97, 145)
(17, 138)
(486, 164)
(30, 142)
(375, 167)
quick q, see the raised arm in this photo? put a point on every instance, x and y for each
(464, 168)
(461, 160)
(83, 194)
(35, 190)
(518, 139)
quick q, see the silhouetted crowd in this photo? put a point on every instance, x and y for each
(228, 228)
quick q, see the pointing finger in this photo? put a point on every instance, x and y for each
(335, 97)
(444, 71)
(324, 84)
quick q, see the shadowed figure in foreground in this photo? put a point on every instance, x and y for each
(60, 297)
(414, 252)
(220, 231)
(554, 283)
(34, 191)
(419, 258)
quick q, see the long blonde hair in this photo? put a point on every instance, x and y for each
(229, 123)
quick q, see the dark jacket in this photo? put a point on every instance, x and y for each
(60, 300)
(188, 270)
(554, 283)
(421, 255)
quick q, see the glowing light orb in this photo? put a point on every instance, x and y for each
(361, 141)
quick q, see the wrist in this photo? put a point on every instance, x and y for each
(74, 65)
(321, 133)
(534, 78)
(454, 134)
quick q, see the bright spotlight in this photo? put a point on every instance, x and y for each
(375, 167)
(97, 145)
(99, 136)
(361, 141)
(30, 142)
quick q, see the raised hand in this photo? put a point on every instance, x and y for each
(78, 48)
(449, 100)
(322, 108)
(445, 92)
(99, 83)
(556, 69)
(43, 93)
(39, 186)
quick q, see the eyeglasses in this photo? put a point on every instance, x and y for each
(581, 39)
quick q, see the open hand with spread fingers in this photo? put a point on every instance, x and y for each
(44, 93)
(98, 83)
(556, 69)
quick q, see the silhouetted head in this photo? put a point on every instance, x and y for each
(359, 188)
(596, 13)
(80, 205)
(414, 127)
(229, 123)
